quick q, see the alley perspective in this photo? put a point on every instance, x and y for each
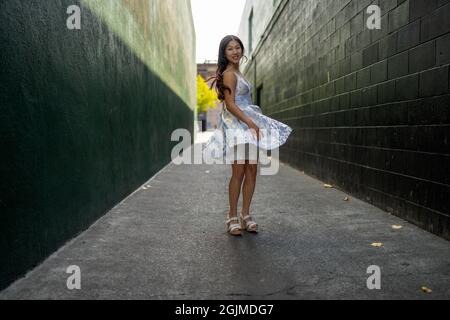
(97, 96)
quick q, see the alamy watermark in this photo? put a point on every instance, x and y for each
(374, 281)
(374, 20)
(74, 280)
(185, 153)
(74, 20)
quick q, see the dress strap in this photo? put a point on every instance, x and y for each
(239, 76)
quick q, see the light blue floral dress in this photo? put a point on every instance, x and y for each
(232, 132)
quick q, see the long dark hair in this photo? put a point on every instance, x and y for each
(222, 63)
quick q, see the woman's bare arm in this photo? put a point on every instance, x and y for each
(230, 80)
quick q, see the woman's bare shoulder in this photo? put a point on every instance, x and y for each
(230, 71)
(229, 75)
(230, 80)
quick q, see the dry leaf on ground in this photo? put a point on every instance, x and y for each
(426, 290)
(377, 244)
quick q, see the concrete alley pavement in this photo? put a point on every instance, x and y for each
(168, 241)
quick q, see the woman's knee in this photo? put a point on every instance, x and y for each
(250, 170)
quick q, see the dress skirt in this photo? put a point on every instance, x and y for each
(234, 141)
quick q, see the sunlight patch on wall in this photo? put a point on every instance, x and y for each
(160, 33)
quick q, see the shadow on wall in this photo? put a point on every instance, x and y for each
(84, 123)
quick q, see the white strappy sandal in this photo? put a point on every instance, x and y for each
(248, 224)
(233, 228)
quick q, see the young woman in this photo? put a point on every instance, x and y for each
(241, 130)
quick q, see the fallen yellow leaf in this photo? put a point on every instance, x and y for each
(426, 290)
(396, 227)
(377, 244)
(328, 185)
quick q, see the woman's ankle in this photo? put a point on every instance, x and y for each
(245, 213)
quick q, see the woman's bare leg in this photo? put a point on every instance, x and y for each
(234, 187)
(248, 189)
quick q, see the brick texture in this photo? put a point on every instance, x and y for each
(370, 108)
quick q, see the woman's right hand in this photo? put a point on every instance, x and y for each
(251, 125)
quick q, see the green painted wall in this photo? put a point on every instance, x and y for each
(86, 114)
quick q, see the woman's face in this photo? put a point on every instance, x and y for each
(233, 51)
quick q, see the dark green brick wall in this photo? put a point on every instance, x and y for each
(370, 108)
(86, 115)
